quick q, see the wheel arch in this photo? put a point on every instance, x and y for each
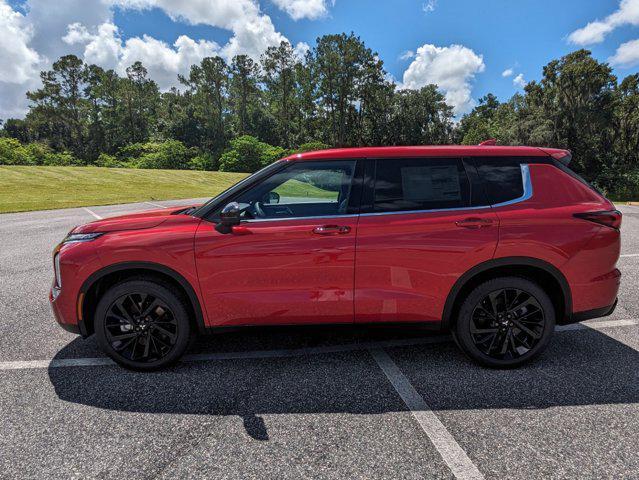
(98, 282)
(548, 276)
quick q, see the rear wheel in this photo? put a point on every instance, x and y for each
(505, 322)
(142, 324)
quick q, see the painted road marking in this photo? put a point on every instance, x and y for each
(297, 352)
(629, 255)
(90, 212)
(157, 205)
(460, 465)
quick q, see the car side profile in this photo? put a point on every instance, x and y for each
(495, 244)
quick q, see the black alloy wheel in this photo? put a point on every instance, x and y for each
(505, 322)
(143, 324)
(141, 327)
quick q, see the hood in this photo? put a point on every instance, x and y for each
(133, 221)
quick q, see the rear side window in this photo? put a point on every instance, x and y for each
(420, 184)
(501, 178)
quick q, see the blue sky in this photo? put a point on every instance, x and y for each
(496, 35)
(523, 35)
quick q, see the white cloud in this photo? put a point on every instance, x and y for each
(18, 62)
(519, 81)
(429, 6)
(252, 30)
(298, 9)
(627, 55)
(50, 19)
(49, 29)
(164, 62)
(452, 68)
(300, 51)
(595, 32)
(406, 55)
(507, 73)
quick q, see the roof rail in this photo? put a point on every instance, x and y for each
(491, 142)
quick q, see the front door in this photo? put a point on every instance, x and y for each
(423, 228)
(291, 260)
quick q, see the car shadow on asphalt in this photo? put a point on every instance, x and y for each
(581, 367)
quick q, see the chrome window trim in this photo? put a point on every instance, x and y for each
(528, 190)
(254, 220)
(527, 194)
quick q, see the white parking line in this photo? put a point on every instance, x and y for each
(629, 255)
(157, 205)
(298, 352)
(460, 465)
(92, 213)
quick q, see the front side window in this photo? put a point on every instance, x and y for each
(303, 189)
(420, 184)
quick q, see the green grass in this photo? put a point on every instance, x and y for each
(43, 188)
(296, 189)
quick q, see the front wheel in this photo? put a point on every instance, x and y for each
(142, 324)
(505, 322)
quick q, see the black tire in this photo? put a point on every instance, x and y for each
(143, 324)
(505, 322)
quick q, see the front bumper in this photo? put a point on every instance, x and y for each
(66, 319)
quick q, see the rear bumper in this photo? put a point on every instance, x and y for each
(595, 313)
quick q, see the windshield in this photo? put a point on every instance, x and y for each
(237, 186)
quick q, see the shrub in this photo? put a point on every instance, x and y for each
(311, 146)
(62, 159)
(203, 161)
(37, 153)
(171, 154)
(248, 154)
(109, 161)
(12, 152)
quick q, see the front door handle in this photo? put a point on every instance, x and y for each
(331, 230)
(474, 222)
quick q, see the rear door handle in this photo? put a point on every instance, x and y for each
(474, 222)
(331, 230)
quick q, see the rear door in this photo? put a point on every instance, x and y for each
(424, 223)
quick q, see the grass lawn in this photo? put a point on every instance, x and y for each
(42, 188)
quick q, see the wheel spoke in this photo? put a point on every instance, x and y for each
(120, 336)
(480, 331)
(147, 344)
(526, 330)
(123, 311)
(151, 307)
(492, 299)
(164, 331)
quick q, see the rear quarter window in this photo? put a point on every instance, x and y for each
(501, 178)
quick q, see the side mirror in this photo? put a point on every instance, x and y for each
(229, 217)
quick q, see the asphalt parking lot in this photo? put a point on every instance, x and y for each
(309, 402)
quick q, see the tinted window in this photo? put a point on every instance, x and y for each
(304, 189)
(420, 184)
(502, 179)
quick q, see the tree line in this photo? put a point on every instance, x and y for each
(239, 115)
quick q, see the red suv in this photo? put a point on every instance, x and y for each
(495, 244)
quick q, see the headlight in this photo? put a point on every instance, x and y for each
(81, 237)
(56, 269)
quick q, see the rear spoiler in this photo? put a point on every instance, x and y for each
(562, 156)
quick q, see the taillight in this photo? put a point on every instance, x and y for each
(608, 218)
